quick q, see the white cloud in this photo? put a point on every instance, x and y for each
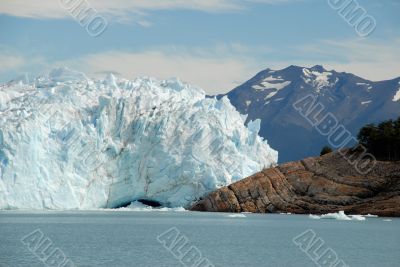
(14, 64)
(121, 9)
(373, 60)
(216, 70)
(223, 67)
(10, 59)
(214, 75)
(9, 62)
(145, 23)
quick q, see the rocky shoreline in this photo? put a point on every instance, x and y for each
(312, 186)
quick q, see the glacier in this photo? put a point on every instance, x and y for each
(71, 142)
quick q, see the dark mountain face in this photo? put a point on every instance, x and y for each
(354, 101)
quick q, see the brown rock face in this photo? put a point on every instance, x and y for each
(312, 186)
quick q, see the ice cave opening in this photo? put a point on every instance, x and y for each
(147, 202)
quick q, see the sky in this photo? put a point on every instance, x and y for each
(214, 44)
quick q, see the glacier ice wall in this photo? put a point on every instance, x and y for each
(70, 142)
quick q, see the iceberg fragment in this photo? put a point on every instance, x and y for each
(340, 216)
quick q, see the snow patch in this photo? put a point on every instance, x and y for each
(367, 85)
(366, 102)
(270, 95)
(319, 80)
(266, 84)
(271, 83)
(397, 96)
(273, 79)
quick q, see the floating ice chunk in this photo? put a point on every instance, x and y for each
(341, 216)
(370, 216)
(237, 216)
(136, 206)
(338, 216)
(140, 207)
(357, 217)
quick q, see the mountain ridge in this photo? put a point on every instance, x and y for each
(353, 100)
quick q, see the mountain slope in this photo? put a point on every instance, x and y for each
(69, 142)
(354, 101)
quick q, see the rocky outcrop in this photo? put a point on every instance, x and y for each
(312, 186)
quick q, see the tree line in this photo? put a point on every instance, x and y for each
(382, 140)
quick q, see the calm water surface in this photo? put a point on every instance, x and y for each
(128, 238)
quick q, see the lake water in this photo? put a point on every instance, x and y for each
(131, 238)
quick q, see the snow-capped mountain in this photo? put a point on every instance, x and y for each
(70, 142)
(354, 101)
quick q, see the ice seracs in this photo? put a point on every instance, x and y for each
(70, 142)
(66, 75)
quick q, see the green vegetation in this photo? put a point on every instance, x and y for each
(383, 140)
(326, 150)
